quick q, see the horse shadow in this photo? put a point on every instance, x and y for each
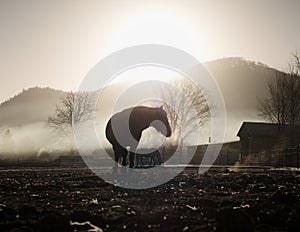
(148, 158)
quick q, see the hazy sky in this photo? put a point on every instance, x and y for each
(55, 43)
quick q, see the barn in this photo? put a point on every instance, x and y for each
(258, 136)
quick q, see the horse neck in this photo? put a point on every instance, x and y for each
(152, 117)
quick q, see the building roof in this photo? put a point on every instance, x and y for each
(259, 129)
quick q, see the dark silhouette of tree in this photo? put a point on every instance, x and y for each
(294, 90)
(69, 110)
(73, 106)
(274, 108)
(282, 106)
(186, 107)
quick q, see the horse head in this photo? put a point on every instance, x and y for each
(161, 122)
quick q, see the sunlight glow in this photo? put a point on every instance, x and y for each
(156, 27)
(146, 73)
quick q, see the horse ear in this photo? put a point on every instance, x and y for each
(161, 107)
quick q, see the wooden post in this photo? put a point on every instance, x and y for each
(286, 152)
(297, 156)
(227, 154)
(163, 156)
(260, 163)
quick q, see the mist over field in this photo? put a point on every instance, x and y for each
(23, 118)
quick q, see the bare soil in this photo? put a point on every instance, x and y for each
(47, 199)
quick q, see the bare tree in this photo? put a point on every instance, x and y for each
(186, 107)
(69, 110)
(294, 90)
(282, 106)
(274, 107)
(294, 64)
(73, 106)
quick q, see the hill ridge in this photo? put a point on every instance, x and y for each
(241, 81)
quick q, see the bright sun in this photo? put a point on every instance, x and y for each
(160, 28)
(155, 27)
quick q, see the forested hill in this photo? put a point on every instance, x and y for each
(30, 106)
(242, 82)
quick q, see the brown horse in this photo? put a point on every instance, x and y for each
(124, 129)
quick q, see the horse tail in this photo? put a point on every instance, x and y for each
(109, 133)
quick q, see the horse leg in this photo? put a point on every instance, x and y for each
(124, 155)
(137, 159)
(151, 160)
(142, 158)
(120, 152)
(131, 159)
(116, 151)
(159, 158)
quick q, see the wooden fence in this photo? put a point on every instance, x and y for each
(288, 157)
